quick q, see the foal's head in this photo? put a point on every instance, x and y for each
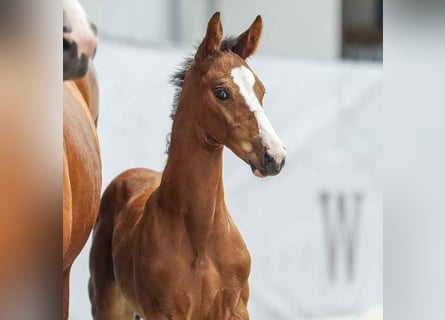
(227, 97)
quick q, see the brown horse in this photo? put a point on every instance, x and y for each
(165, 245)
(82, 178)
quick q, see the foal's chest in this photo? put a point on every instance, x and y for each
(199, 282)
(205, 290)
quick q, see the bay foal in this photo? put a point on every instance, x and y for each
(165, 246)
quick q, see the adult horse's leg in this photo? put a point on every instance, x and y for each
(107, 301)
(66, 292)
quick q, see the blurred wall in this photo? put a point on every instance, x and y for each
(299, 28)
(144, 21)
(360, 14)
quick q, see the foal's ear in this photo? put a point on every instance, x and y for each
(249, 40)
(212, 40)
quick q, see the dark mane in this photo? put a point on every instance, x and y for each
(177, 78)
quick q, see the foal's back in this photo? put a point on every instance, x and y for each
(125, 197)
(121, 208)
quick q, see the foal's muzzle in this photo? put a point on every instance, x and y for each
(272, 163)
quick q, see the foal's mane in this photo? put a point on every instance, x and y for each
(177, 78)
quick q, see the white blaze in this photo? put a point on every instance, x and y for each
(245, 80)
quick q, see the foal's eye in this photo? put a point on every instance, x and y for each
(221, 93)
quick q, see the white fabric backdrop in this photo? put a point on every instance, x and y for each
(327, 115)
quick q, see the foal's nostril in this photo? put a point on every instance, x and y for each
(269, 162)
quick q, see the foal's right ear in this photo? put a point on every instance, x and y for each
(212, 41)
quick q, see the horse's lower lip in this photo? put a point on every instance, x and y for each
(258, 174)
(255, 171)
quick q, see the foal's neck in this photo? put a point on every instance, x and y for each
(191, 184)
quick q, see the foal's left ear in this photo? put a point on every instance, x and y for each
(249, 40)
(212, 40)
